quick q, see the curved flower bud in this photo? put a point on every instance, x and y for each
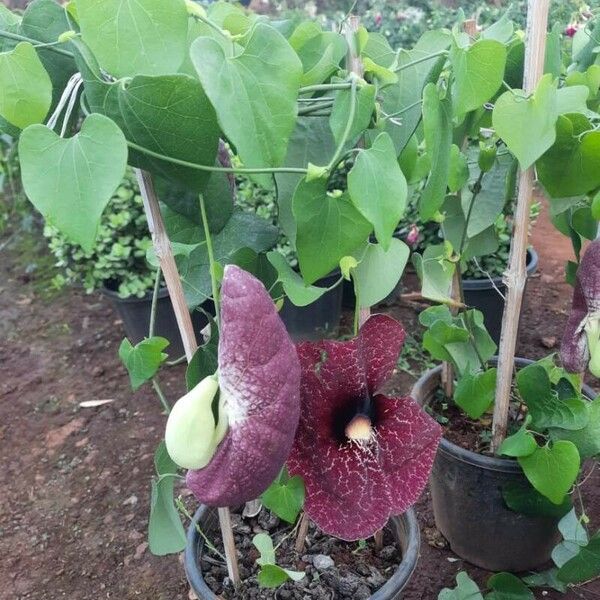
(581, 339)
(191, 435)
(259, 379)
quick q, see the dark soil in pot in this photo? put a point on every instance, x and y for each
(468, 492)
(333, 569)
(135, 314)
(485, 295)
(319, 319)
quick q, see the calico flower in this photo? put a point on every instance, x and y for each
(258, 382)
(364, 456)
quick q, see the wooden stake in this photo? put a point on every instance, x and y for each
(302, 532)
(164, 253)
(516, 274)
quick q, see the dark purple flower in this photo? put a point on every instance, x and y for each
(259, 378)
(413, 235)
(571, 30)
(364, 456)
(581, 340)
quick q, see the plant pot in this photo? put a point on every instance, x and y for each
(404, 528)
(318, 319)
(469, 510)
(135, 314)
(483, 295)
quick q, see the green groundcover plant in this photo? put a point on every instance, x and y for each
(90, 87)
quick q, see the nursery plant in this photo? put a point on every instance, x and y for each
(326, 120)
(90, 87)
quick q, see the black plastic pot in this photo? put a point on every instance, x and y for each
(135, 314)
(483, 295)
(318, 319)
(405, 530)
(468, 506)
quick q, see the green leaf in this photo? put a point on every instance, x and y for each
(165, 530)
(475, 393)
(135, 38)
(586, 439)
(311, 141)
(435, 273)
(491, 199)
(437, 126)
(458, 173)
(478, 73)
(552, 470)
(527, 124)
(574, 538)
(365, 105)
(264, 544)
(379, 271)
(584, 566)
(571, 167)
(320, 52)
(544, 405)
(546, 579)
(25, 87)
(378, 189)
(502, 30)
(272, 576)
(466, 589)
(296, 289)
(70, 181)
(243, 230)
(254, 94)
(572, 99)
(524, 499)
(143, 360)
(205, 360)
(506, 586)
(285, 496)
(328, 228)
(553, 63)
(404, 96)
(521, 443)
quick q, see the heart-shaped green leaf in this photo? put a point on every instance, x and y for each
(571, 167)
(521, 443)
(328, 228)
(378, 189)
(478, 73)
(130, 37)
(296, 289)
(285, 496)
(475, 393)
(506, 586)
(552, 470)
(466, 589)
(70, 181)
(254, 94)
(527, 124)
(435, 272)
(379, 271)
(587, 439)
(365, 105)
(143, 360)
(584, 566)
(25, 87)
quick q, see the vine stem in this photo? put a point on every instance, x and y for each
(164, 253)
(211, 259)
(191, 165)
(22, 38)
(324, 87)
(516, 274)
(418, 61)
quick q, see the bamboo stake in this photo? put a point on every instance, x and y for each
(516, 274)
(164, 253)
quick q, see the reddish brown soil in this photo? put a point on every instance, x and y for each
(75, 481)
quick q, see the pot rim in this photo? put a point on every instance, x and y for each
(487, 284)
(491, 463)
(407, 523)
